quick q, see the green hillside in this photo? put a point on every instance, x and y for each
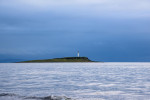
(65, 59)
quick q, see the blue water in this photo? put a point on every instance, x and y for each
(79, 81)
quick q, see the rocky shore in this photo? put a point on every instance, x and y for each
(11, 96)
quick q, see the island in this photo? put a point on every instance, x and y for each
(65, 59)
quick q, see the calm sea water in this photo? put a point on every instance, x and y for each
(79, 81)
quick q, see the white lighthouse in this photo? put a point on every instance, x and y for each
(78, 54)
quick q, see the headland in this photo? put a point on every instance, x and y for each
(65, 59)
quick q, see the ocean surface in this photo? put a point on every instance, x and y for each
(74, 81)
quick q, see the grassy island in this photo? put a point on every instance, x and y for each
(65, 59)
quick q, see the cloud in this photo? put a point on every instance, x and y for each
(47, 14)
(115, 8)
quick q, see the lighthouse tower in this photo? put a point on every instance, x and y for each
(78, 54)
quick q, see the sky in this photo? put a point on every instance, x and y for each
(102, 30)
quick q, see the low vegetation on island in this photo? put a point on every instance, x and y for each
(65, 59)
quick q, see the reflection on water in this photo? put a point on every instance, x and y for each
(80, 81)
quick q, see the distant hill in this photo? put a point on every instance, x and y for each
(65, 59)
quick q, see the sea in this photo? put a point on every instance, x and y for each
(75, 81)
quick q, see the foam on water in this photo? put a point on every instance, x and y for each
(80, 81)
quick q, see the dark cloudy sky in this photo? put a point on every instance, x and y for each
(103, 30)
